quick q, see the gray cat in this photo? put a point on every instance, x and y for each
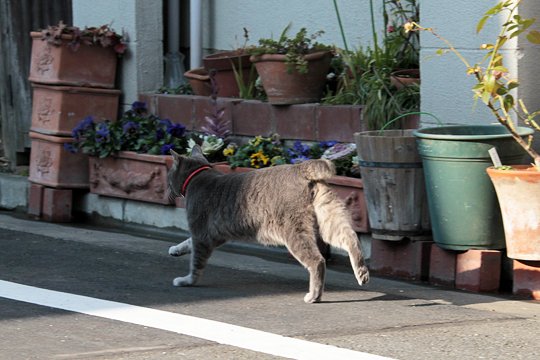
(287, 205)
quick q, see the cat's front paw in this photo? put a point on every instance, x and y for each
(183, 281)
(363, 276)
(175, 251)
(311, 298)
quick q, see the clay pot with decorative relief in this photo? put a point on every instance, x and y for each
(133, 176)
(56, 110)
(52, 165)
(59, 62)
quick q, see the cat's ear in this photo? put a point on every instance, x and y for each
(176, 156)
(197, 151)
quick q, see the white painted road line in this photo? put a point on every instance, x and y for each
(216, 331)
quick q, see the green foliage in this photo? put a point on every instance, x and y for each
(137, 130)
(257, 153)
(294, 48)
(365, 73)
(183, 89)
(262, 152)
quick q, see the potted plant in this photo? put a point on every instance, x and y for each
(68, 55)
(292, 70)
(128, 156)
(234, 73)
(493, 87)
(366, 76)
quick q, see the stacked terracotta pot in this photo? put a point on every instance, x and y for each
(67, 86)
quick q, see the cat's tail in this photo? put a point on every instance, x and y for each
(316, 170)
(336, 229)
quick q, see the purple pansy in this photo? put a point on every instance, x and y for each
(138, 106)
(102, 132)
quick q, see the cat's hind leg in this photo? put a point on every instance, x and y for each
(200, 252)
(181, 249)
(305, 250)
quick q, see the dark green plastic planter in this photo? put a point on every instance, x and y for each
(462, 202)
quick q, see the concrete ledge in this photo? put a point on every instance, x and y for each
(136, 212)
(13, 192)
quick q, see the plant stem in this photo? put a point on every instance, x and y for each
(341, 27)
(374, 33)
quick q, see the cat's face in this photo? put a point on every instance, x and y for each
(182, 167)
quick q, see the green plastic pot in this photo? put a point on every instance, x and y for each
(462, 202)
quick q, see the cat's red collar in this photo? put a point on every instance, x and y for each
(191, 176)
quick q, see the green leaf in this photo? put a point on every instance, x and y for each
(525, 24)
(516, 33)
(494, 10)
(490, 83)
(500, 68)
(508, 102)
(481, 23)
(486, 96)
(534, 37)
(512, 84)
(502, 91)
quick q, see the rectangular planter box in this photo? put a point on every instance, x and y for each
(351, 191)
(56, 110)
(132, 176)
(54, 166)
(92, 66)
(348, 189)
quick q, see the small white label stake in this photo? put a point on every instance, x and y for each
(495, 157)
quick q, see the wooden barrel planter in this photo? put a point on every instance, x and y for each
(394, 187)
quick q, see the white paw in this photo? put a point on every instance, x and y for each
(183, 281)
(173, 251)
(363, 276)
(310, 298)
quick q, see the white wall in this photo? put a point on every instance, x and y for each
(142, 66)
(223, 21)
(446, 89)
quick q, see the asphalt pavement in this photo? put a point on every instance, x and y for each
(252, 295)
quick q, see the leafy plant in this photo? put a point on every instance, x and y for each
(103, 36)
(494, 84)
(216, 123)
(365, 79)
(183, 89)
(294, 48)
(246, 87)
(262, 152)
(257, 153)
(137, 130)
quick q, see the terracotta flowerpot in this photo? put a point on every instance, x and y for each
(131, 176)
(224, 63)
(518, 192)
(283, 88)
(200, 81)
(350, 190)
(56, 110)
(406, 77)
(91, 66)
(54, 166)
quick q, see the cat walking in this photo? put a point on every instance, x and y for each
(288, 205)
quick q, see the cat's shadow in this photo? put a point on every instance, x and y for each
(385, 297)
